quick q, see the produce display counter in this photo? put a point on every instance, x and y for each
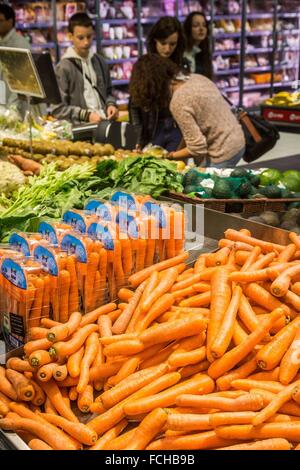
(214, 226)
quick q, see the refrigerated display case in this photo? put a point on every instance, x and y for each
(255, 44)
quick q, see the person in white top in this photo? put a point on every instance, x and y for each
(197, 53)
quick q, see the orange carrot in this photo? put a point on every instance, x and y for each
(38, 444)
(220, 299)
(224, 336)
(45, 373)
(281, 284)
(248, 384)
(53, 393)
(289, 431)
(235, 355)
(266, 247)
(281, 398)
(126, 347)
(200, 384)
(168, 279)
(62, 331)
(37, 332)
(246, 402)
(79, 431)
(73, 292)
(264, 444)
(92, 266)
(218, 258)
(271, 354)
(91, 349)
(197, 300)
(109, 436)
(290, 363)
(105, 325)
(188, 422)
(95, 314)
(21, 385)
(19, 365)
(85, 399)
(39, 358)
(262, 297)
(227, 418)
(139, 277)
(123, 320)
(160, 306)
(36, 345)
(36, 310)
(125, 294)
(150, 426)
(39, 396)
(196, 441)
(60, 372)
(64, 349)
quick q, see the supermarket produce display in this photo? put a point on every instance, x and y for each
(199, 357)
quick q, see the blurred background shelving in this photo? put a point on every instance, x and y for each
(255, 44)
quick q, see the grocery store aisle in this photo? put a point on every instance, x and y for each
(287, 146)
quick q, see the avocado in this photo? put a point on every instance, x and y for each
(239, 173)
(271, 192)
(190, 188)
(244, 189)
(222, 189)
(254, 180)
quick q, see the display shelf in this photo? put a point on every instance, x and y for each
(119, 21)
(260, 86)
(261, 50)
(120, 82)
(26, 26)
(46, 45)
(121, 61)
(115, 42)
(253, 69)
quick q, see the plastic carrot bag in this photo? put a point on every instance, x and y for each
(59, 298)
(53, 232)
(23, 285)
(79, 220)
(25, 242)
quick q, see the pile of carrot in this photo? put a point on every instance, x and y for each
(191, 358)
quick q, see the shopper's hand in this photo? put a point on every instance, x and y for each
(95, 118)
(112, 113)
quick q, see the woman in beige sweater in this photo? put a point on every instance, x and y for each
(212, 134)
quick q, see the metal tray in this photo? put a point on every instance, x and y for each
(214, 225)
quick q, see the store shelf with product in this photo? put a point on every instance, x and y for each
(254, 36)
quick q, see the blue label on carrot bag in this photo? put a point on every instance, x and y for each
(46, 259)
(48, 233)
(75, 220)
(92, 206)
(127, 224)
(154, 210)
(124, 200)
(19, 243)
(101, 209)
(74, 246)
(14, 273)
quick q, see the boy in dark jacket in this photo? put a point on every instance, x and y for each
(84, 78)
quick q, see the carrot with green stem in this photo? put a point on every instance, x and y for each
(224, 336)
(39, 358)
(21, 385)
(220, 299)
(234, 356)
(271, 354)
(123, 320)
(62, 331)
(90, 352)
(62, 349)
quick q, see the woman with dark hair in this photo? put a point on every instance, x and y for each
(212, 134)
(166, 38)
(197, 53)
(155, 124)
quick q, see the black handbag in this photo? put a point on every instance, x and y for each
(260, 135)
